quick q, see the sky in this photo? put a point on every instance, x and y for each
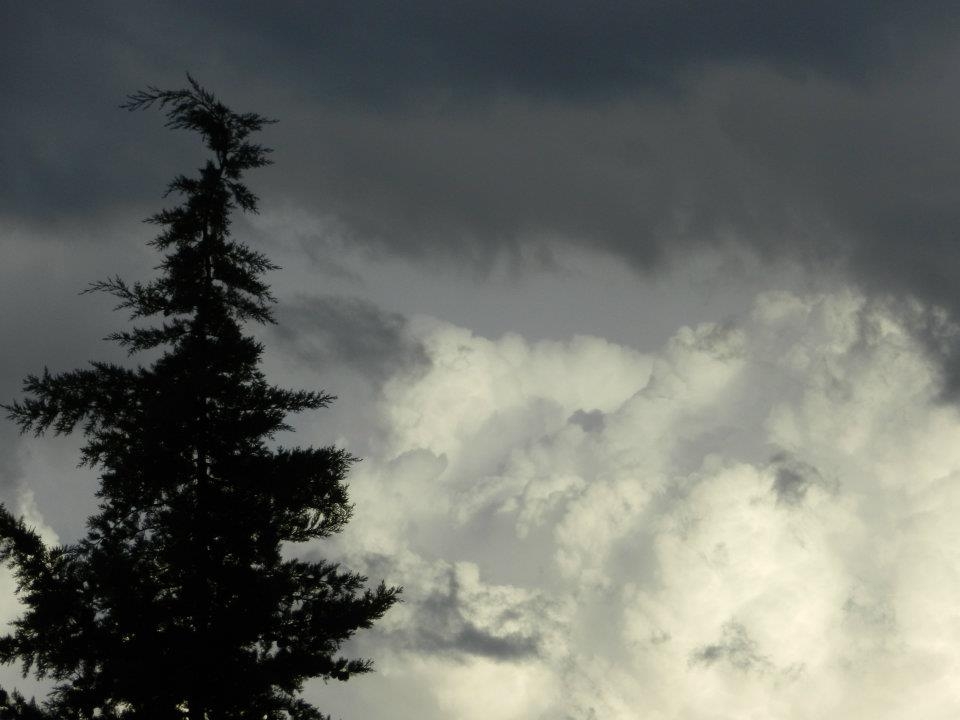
(641, 315)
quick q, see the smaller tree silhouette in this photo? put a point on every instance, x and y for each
(178, 602)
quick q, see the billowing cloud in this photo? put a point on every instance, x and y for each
(760, 519)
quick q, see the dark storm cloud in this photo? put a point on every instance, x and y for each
(67, 65)
(384, 52)
(351, 332)
(819, 131)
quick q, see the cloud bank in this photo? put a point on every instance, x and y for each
(758, 521)
(470, 132)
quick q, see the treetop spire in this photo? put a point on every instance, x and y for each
(179, 602)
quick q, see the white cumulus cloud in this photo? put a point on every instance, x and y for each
(758, 521)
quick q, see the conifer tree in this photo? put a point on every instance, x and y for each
(179, 602)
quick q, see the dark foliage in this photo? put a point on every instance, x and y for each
(178, 602)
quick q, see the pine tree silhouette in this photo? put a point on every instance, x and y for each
(178, 602)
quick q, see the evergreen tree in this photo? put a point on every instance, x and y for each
(178, 602)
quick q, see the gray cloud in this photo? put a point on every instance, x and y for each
(734, 647)
(10, 467)
(44, 324)
(790, 486)
(385, 52)
(592, 421)
(347, 331)
(450, 611)
(441, 628)
(793, 478)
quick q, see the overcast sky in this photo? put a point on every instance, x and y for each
(641, 314)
